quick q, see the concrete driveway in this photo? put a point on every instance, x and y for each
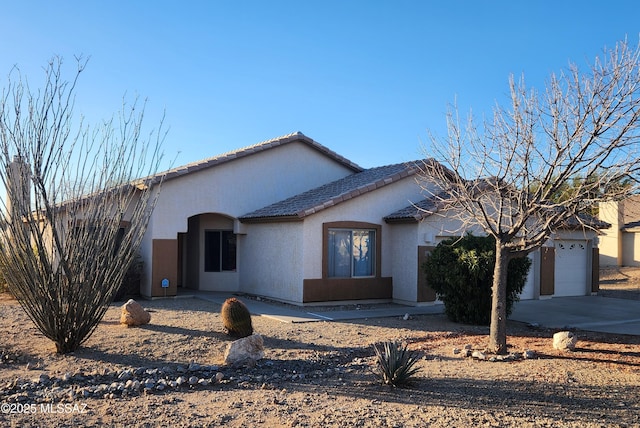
(593, 313)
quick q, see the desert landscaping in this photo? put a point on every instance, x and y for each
(170, 372)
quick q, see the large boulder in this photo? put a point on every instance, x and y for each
(564, 341)
(133, 314)
(245, 351)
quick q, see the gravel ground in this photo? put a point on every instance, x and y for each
(171, 373)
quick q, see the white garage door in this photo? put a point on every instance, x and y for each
(571, 268)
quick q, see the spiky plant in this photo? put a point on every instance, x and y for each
(236, 318)
(395, 364)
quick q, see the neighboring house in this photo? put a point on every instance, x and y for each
(620, 244)
(291, 220)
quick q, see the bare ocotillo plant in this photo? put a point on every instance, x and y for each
(579, 137)
(75, 214)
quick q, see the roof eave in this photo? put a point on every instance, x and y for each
(271, 219)
(401, 220)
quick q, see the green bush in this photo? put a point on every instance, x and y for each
(131, 282)
(460, 271)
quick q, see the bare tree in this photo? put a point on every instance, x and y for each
(504, 177)
(74, 215)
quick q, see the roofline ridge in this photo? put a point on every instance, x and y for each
(248, 150)
(367, 187)
(408, 169)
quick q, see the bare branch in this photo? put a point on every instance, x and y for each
(73, 218)
(541, 163)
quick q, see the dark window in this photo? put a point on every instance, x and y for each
(219, 251)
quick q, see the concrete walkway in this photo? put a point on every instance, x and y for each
(591, 313)
(293, 314)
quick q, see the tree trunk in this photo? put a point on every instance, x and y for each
(498, 329)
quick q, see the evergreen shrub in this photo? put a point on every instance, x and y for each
(460, 271)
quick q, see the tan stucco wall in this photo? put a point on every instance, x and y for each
(273, 259)
(233, 189)
(280, 256)
(243, 185)
(630, 251)
(403, 243)
(609, 240)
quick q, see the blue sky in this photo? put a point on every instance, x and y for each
(367, 79)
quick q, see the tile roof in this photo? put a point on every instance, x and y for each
(247, 151)
(584, 219)
(328, 195)
(417, 211)
(432, 204)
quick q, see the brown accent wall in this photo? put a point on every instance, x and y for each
(164, 261)
(547, 270)
(425, 293)
(333, 289)
(595, 270)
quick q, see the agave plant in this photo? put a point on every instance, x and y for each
(395, 364)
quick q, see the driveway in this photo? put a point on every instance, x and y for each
(593, 313)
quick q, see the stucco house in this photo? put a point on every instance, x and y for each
(620, 244)
(292, 220)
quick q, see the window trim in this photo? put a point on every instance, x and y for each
(351, 225)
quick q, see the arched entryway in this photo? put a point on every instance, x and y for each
(208, 253)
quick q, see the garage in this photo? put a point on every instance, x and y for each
(571, 257)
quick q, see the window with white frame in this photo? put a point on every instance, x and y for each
(219, 251)
(351, 253)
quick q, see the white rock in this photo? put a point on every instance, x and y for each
(478, 355)
(247, 350)
(564, 341)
